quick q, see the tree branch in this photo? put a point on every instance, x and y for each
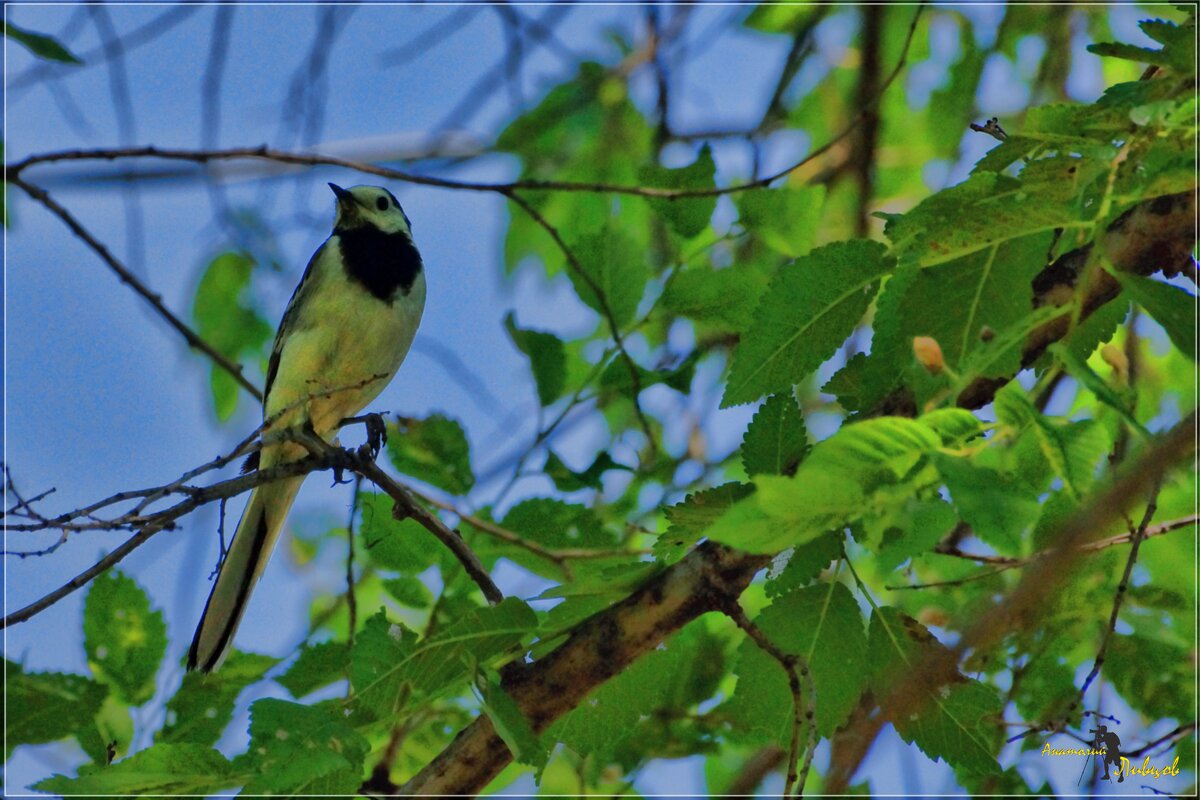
(705, 580)
(13, 171)
(155, 300)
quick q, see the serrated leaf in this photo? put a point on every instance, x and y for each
(318, 665)
(982, 212)
(547, 359)
(720, 296)
(997, 507)
(776, 440)
(803, 564)
(44, 707)
(123, 637)
(202, 707)
(686, 215)
(433, 450)
(164, 769)
(612, 264)
(388, 665)
(513, 726)
(299, 749)
(823, 625)
(957, 722)
(690, 519)
(409, 591)
(916, 529)
(610, 715)
(401, 545)
(1171, 307)
(809, 309)
(785, 219)
(40, 45)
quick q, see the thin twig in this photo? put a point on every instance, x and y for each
(351, 600)
(12, 171)
(795, 666)
(155, 300)
(1122, 588)
(605, 310)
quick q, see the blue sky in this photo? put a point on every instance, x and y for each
(101, 396)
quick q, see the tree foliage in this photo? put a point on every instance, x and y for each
(936, 395)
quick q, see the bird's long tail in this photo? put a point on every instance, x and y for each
(252, 544)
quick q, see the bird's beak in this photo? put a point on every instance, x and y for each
(345, 199)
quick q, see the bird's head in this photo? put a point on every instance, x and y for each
(369, 205)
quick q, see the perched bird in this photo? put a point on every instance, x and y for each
(344, 334)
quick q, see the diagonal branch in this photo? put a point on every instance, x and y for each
(155, 300)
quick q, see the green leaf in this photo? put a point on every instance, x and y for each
(807, 312)
(823, 625)
(785, 219)
(164, 769)
(203, 705)
(318, 665)
(804, 563)
(686, 215)
(957, 722)
(40, 45)
(226, 320)
(1070, 450)
(1153, 676)
(124, 639)
(433, 450)
(513, 726)
(978, 214)
(47, 706)
(610, 715)
(409, 591)
(776, 440)
(779, 18)
(568, 480)
(725, 297)
(691, 518)
(617, 375)
(556, 524)
(996, 507)
(388, 666)
(1171, 307)
(917, 529)
(298, 749)
(547, 359)
(400, 545)
(611, 264)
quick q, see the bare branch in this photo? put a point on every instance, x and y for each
(155, 300)
(13, 171)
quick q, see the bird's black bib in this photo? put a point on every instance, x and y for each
(381, 262)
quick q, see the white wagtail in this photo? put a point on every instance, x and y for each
(346, 330)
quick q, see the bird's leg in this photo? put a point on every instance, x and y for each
(376, 431)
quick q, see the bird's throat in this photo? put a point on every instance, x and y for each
(383, 263)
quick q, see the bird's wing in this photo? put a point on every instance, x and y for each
(291, 318)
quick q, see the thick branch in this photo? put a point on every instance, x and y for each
(706, 580)
(1158, 234)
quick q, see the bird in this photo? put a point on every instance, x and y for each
(345, 332)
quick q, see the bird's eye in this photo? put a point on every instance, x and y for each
(382, 204)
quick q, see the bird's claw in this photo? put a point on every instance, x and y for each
(376, 433)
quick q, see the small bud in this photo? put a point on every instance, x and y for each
(929, 354)
(986, 334)
(1115, 357)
